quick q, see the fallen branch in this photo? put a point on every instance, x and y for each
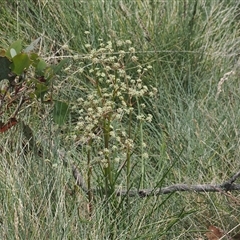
(226, 186)
(179, 188)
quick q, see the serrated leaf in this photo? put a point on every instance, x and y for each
(60, 112)
(20, 62)
(17, 46)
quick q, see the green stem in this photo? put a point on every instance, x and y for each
(141, 148)
(108, 170)
(128, 168)
(129, 153)
(89, 176)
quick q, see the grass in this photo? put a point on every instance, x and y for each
(193, 138)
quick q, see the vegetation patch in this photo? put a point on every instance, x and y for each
(119, 119)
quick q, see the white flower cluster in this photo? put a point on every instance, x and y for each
(116, 84)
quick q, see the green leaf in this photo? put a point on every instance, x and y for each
(34, 59)
(5, 70)
(41, 66)
(60, 112)
(20, 62)
(17, 46)
(41, 90)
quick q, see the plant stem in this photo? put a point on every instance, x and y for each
(89, 175)
(141, 148)
(128, 153)
(108, 170)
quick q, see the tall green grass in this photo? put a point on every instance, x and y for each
(193, 138)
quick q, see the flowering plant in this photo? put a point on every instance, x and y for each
(111, 112)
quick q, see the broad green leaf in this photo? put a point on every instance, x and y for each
(5, 68)
(17, 46)
(20, 62)
(41, 66)
(60, 112)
